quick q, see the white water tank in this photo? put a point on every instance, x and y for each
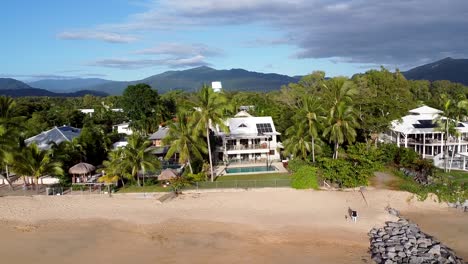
(216, 86)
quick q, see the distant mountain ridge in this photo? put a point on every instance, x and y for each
(454, 70)
(15, 88)
(67, 85)
(187, 80)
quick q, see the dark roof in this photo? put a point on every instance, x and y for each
(56, 135)
(160, 134)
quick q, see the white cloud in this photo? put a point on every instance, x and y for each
(397, 32)
(127, 64)
(178, 49)
(97, 35)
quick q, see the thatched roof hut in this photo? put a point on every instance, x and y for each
(167, 174)
(82, 168)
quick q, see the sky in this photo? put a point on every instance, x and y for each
(134, 39)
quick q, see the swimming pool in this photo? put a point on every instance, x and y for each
(250, 169)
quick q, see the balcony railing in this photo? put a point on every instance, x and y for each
(246, 147)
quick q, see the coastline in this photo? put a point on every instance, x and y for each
(254, 226)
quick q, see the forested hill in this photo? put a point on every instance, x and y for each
(454, 70)
(12, 84)
(67, 85)
(193, 79)
(15, 88)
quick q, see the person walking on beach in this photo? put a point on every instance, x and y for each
(354, 215)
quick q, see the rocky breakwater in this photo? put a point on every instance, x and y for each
(404, 242)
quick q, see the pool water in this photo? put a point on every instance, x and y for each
(250, 169)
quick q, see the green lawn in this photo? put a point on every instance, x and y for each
(459, 176)
(265, 176)
(148, 188)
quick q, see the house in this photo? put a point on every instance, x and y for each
(159, 149)
(56, 135)
(250, 139)
(123, 128)
(90, 111)
(419, 130)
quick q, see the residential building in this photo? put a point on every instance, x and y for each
(250, 140)
(123, 128)
(419, 130)
(56, 135)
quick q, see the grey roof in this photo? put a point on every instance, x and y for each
(56, 135)
(160, 134)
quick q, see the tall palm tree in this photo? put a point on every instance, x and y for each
(341, 127)
(297, 142)
(210, 107)
(310, 113)
(136, 157)
(185, 140)
(10, 127)
(448, 120)
(34, 162)
(115, 168)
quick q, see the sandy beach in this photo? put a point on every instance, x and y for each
(275, 226)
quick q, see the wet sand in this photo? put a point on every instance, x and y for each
(264, 226)
(101, 241)
(449, 226)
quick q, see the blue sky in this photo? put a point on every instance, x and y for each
(133, 39)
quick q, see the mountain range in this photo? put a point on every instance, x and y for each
(187, 80)
(455, 70)
(15, 88)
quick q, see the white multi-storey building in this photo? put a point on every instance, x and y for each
(419, 130)
(250, 139)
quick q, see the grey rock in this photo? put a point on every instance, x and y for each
(390, 249)
(435, 250)
(401, 254)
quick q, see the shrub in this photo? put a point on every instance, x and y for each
(295, 164)
(346, 172)
(305, 178)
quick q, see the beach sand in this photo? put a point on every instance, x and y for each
(259, 226)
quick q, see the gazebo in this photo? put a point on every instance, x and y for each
(167, 174)
(83, 171)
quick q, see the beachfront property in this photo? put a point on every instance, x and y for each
(250, 139)
(419, 130)
(56, 135)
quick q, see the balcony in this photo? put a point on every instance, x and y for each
(246, 147)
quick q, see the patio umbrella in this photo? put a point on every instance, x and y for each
(167, 174)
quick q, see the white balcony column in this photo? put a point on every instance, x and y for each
(398, 139)
(459, 144)
(442, 143)
(406, 141)
(424, 146)
(464, 162)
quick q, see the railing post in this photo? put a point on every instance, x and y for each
(276, 185)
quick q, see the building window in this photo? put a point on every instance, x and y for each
(264, 128)
(272, 152)
(242, 125)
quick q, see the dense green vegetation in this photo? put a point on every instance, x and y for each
(329, 129)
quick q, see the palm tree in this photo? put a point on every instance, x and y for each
(34, 162)
(310, 113)
(297, 142)
(341, 126)
(115, 168)
(210, 111)
(10, 127)
(136, 157)
(448, 120)
(185, 140)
